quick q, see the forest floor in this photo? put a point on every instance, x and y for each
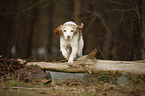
(99, 84)
(94, 85)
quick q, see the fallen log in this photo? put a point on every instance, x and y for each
(88, 63)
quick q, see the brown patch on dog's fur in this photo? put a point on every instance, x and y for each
(57, 30)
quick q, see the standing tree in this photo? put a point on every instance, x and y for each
(137, 37)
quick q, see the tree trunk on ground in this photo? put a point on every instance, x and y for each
(87, 64)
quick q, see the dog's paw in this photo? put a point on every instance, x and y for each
(70, 65)
(70, 61)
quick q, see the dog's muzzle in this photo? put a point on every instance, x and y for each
(68, 36)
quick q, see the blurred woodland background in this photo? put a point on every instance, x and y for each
(114, 27)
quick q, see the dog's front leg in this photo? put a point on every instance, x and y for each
(72, 56)
(64, 52)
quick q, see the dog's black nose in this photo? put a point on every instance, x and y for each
(68, 36)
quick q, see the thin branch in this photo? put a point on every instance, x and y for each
(123, 10)
(26, 88)
(117, 3)
(24, 10)
(104, 23)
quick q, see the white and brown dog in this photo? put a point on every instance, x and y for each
(71, 40)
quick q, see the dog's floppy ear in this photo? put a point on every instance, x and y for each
(57, 30)
(80, 26)
(79, 29)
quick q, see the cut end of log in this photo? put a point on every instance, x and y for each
(92, 54)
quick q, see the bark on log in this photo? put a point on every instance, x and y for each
(83, 64)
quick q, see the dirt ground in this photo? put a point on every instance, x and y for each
(31, 82)
(97, 85)
(60, 91)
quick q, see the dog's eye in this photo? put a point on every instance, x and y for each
(72, 30)
(64, 30)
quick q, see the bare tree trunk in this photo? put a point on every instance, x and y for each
(137, 38)
(27, 39)
(87, 65)
(6, 26)
(27, 34)
(77, 10)
(50, 33)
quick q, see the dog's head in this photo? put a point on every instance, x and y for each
(68, 29)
